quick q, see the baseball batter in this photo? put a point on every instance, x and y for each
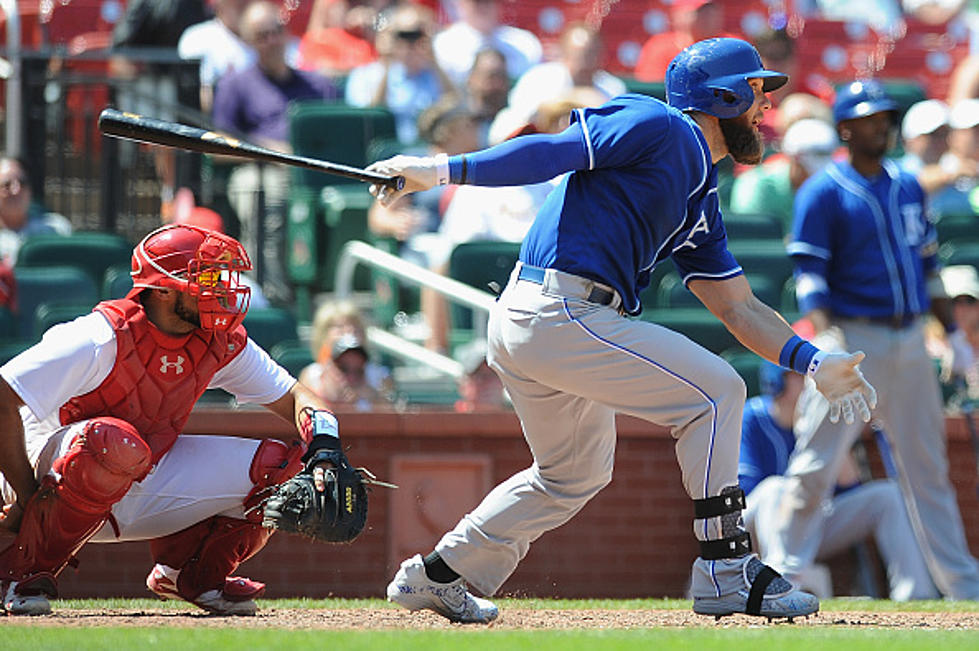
(90, 432)
(640, 188)
(864, 254)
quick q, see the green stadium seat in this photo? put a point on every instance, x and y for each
(53, 284)
(293, 355)
(958, 229)
(752, 227)
(270, 325)
(92, 251)
(959, 253)
(673, 293)
(117, 282)
(763, 257)
(10, 348)
(478, 264)
(344, 210)
(695, 323)
(8, 324)
(49, 314)
(655, 89)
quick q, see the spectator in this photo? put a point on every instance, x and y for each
(218, 45)
(152, 89)
(486, 90)
(800, 106)
(690, 21)
(578, 66)
(253, 102)
(965, 79)
(924, 131)
(882, 15)
(960, 361)
(480, 388)
(407, 79)
(329, 46)
(479, 27)
(19, 218)
(960, 163)
(343, 372)
(866, 261)
(856, 510)
(769, 189)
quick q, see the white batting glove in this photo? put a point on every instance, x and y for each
(420, 172)
(841, 382)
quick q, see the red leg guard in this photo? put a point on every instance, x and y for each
(273, 463)
(208, 552)
(98, 469)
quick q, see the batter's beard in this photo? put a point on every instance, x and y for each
(743, 141)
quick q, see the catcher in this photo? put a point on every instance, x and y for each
(91, 446)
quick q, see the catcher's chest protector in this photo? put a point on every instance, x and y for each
(157, 378)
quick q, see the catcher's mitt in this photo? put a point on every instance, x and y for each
(335, 514)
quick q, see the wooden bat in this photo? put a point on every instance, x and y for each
(131, 126)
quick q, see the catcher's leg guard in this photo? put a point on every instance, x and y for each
(76, 499)
(205, 554)
(274, 462)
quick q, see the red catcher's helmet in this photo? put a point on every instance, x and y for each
(199, 262)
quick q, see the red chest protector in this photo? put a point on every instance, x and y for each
(157, 378)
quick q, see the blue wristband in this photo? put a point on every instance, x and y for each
(796, 354)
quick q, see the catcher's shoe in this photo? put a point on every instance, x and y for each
(236, 598)
(413, 589)
(749, 586)
(30, 596)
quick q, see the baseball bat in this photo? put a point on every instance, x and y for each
(130, 126)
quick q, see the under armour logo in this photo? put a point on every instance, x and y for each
(178, 365)
(221, 321)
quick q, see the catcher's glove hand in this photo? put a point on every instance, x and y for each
(327, 501)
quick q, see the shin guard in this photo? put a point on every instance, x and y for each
(75, 500)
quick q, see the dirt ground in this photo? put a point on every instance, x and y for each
(510, 618)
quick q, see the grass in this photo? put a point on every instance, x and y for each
(465, 638)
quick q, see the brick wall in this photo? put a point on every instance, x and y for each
(634, 539)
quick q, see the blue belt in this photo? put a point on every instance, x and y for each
(598, 295)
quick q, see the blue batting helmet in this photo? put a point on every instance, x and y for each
(861, 98)
(712, 76)
(771, 378)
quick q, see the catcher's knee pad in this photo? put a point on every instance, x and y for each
(208, 552)
(735, 541)
(102, 463)
(274, 462)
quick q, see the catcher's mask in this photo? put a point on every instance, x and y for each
(199, 262)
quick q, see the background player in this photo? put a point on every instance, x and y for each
(865, 256)
(642, 188)
(94, 413)
(850, 515)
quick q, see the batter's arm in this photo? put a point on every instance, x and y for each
(760, 328)
(14, 464)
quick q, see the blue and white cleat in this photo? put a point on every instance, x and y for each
(762, 592)
(412, 589)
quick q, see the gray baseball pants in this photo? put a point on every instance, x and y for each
(569, 366)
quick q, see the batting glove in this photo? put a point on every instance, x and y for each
(837, 377)
(420, 172)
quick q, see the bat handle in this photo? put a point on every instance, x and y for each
(398, 183)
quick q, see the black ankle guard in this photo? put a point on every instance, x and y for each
(712, 507)
(733, 547)
(758, 586)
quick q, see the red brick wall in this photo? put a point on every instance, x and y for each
(634, 539)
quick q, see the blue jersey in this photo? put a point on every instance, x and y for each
(765, 445)
(862, 247)
(649, 192)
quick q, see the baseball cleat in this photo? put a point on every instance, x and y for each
(236, 598)
(30, 596)
(765, 594)
(412, 589)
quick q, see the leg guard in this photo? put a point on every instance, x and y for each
(76, 499)
(208, 552)
(727, 506)
(274, 462)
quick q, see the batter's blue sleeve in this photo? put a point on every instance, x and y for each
(524, 160)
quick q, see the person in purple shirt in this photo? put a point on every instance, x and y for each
(253, 103)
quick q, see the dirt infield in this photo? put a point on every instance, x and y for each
(510, 618)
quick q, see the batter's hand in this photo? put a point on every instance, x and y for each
(419, 172)
(839, 379)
